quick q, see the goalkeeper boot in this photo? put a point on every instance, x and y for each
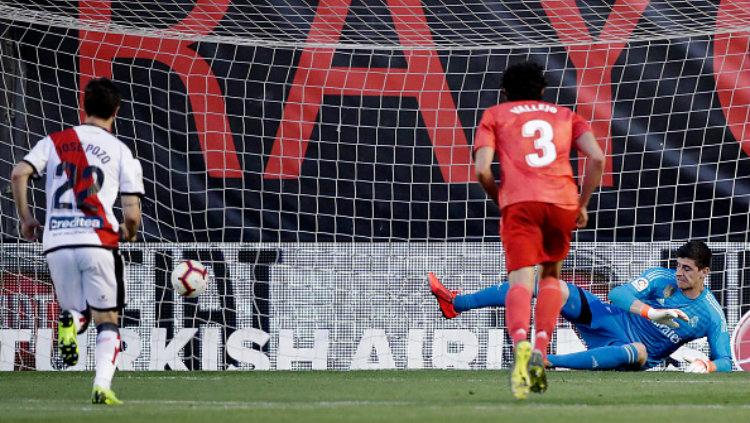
(66, 339)
(536, 372)
(104, 396)
(520, 380)
(444, 296)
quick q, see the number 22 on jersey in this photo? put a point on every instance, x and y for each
(70, 173)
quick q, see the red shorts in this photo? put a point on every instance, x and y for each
(534, 233)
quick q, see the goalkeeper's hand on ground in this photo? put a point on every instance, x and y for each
(699, 365)
(665, 316)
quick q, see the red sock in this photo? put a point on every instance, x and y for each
(518, 312)
(548, 304)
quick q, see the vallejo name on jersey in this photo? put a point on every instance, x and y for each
(541, 107)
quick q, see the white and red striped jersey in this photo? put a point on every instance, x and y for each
(86, 168)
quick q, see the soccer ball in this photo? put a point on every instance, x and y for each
(189, 278)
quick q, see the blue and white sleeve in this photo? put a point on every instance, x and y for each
(718, 342)
(640, 288)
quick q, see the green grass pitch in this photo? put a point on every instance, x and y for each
(377, 396)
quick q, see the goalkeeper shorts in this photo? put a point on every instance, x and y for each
(600, 324)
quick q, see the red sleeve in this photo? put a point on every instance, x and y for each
(485, 136)
(580, 126)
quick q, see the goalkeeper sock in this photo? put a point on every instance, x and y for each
(518, 312)
(602, 358)
(548, 303)
(492, 296)
(107, 348)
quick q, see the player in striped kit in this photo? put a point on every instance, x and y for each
(86, 167)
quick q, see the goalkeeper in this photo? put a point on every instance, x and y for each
(647, 320)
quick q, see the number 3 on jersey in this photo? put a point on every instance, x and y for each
(543, 131)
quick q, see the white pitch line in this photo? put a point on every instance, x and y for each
(32, 404)
(126, 376)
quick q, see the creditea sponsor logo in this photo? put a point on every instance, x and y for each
(74, 222)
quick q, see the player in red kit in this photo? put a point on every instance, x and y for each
(540, 207)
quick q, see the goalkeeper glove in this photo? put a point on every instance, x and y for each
(665, 316)
(700, 365)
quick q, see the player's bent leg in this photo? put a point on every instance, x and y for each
(616, 357)
(518, 303)
(518, 320)
(82, 320)
(548, 304)
(642, 353)
(69, 294)
(107, 349)
(492, 296)
(573, 303)
(70, 324)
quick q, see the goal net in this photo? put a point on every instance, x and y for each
(316, 156)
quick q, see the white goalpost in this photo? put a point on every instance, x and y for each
(316, 157)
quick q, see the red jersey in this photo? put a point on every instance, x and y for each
(532, 140)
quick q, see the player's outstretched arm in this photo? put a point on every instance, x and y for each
(704, 365)
(718, 342)
(723, 364)
(19, 178)
(701, 365)
(624, 297)
(665, 316)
